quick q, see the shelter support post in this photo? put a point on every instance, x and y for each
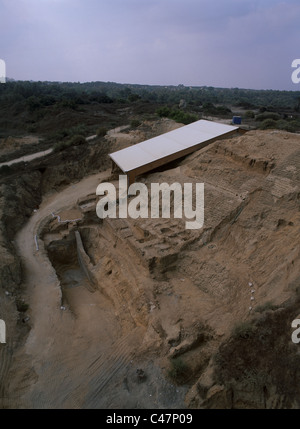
(130, 178)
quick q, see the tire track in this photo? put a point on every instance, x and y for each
(106, 368)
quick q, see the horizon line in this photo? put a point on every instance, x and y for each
(8, 79)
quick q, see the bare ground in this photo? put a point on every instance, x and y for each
(161, 291)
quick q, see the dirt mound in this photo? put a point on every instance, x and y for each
(190, 310)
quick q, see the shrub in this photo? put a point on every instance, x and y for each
(179, 370)
(135, 123)
(290, 126)
(254, 378)
(211, 109)
(267, 124)
(244, 330)
(285, 126)
(5, 169)
(183, 117)
(101, 132)
(268, 115)
(265, 307)
(249, 114)
(60, 146)
(133, 97)
(177, 115)
(22, 306)
(33, 103)
(295, 125)
(163, 112)
(76, 140)
(73, 141)
(80, 129)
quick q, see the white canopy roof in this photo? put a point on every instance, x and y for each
(178, 140)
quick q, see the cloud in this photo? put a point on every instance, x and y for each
(195, 42)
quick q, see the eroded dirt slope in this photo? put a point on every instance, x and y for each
(157, 291)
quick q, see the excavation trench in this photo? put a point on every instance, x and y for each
(81, 342)
(64, 258)
(88, 257)
(157, 290)
(105, 293)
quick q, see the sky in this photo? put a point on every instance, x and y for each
(221, 43)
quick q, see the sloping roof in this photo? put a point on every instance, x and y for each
(170, 143)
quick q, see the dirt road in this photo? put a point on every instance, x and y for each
(27, 158)
(43, 289)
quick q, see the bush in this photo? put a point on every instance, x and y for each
(183, 117)
(285, 126)
(268, 115)
(295, 125)
(177, 115)
(22, 307)
(4, 170)
(267, 124)
(133, 97)
(163, 112)
(249, 114)
(254, 378)
(80, 129)
(33, 103)
(76, 140)
(244, 330)
(290, 126)
(73, 141)
(265, 307)
(60, 146)
(135, 123)
(101, 132)
(211, 109)
(179, 370)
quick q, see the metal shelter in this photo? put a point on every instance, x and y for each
(152, 153)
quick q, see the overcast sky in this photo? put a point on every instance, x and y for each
(221, 43)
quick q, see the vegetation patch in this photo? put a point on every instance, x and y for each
(265, 307)
(22, 307)
(135, 123)
(177, 115)
(101, 132)
(74, 141)
(179, 371)
(244, 330)
(268, 359)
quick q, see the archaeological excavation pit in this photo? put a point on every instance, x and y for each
(88, 256)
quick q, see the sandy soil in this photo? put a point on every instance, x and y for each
(162, 290)
(85, 344)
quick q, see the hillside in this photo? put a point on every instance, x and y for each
(172, 318)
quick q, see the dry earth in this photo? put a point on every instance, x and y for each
(106, 327)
